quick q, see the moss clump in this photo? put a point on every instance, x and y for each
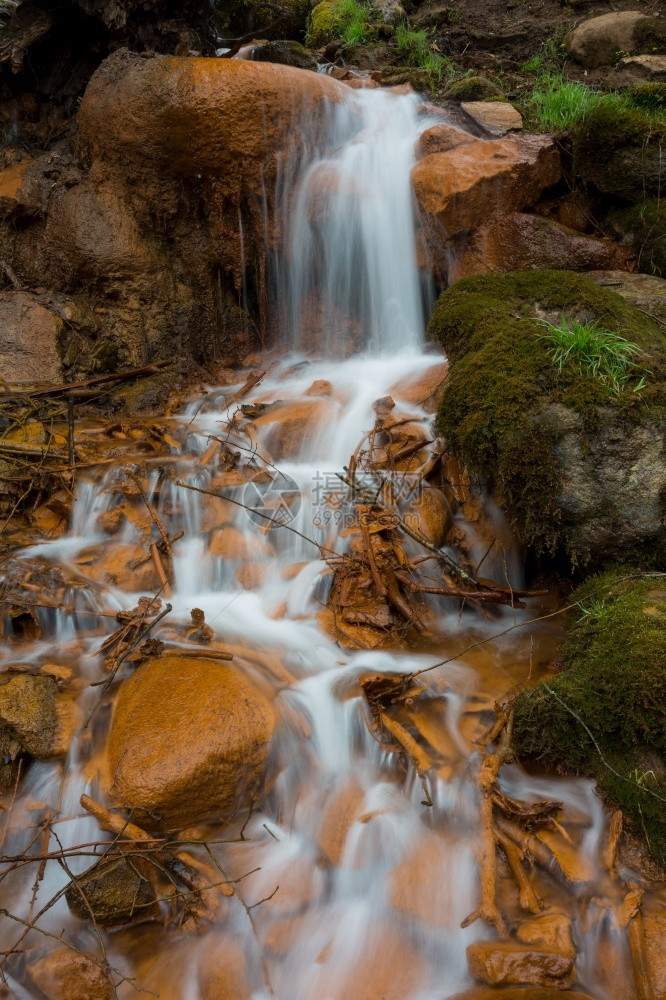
(620, 149)
(614, 680)
(643, 227)
(472, 88)
(502, 379)
(650, 35)
(351, 20)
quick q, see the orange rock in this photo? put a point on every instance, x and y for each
(283, 429)
(509, 963)
(223, 974)
(230, 542)
(114, 564)
(189, 739)
(654, 919)
(65, 975)
(412, 889)
(536, 993)
(11, 179)
(477, 183)
(553, 930)
(430, 514)
(441, 139)
(389, 968)
(521, 242)
(193, 115)
(320, 387)
(342, 808)
(423, 389)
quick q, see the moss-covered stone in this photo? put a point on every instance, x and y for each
(651, 96)
(620, 149)
(522, 424)
(285, 52)
(613, 682)
(643, 228)
(650, 35)
(472, 88)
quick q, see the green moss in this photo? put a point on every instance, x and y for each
(650, 35)
(501, 377)
(614, 680)
(351, 20)
(620, 149)
(643, 227)
(472, 88)
(651, 96)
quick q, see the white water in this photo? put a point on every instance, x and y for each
(381, 919)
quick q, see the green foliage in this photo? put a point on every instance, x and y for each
(555, 104)
(351, 20)
(651, 96)
(606, 355)
(502, 374)
(613, 682)
(415, 49)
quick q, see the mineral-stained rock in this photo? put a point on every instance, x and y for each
(507, 963)
(521, 242)
(599, 40)
(528, 993)
(441, 139)
(34, 718)
(117, 891)
(188, 740)
(65, 975)
(125, 566)
(29, 335)
(430, 514)
(423, 389)
(552, 930)
(475, 184)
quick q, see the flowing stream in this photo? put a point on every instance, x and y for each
(358, 889)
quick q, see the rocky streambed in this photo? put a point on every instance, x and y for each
(267, 631)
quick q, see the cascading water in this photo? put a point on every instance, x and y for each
(350, 883)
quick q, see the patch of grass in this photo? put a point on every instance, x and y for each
(611, 692)
(555, 104)
(602, 353)
(415, 49)
(351, 20)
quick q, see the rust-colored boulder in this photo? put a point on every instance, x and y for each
(441, 139)
(188, 741)
(423, 389)
(124, 566)
(283, 429)
(29, 336)
(509, 963)
(522, 242)
(192, 115)
(474, 185)
(65, 975)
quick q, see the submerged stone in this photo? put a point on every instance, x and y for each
(65, 975)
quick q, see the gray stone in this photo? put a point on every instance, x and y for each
(599, 41)
(29, 335)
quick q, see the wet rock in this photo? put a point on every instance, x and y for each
(600, 40)
(287, 53)
(115, 892)
(535, 993)
(34, 719)
(223, 973)
(188, 740)
(521, 242)
(413, 892)
(29, 339)
(441, 139)
(477, 183)
(387, 967)
(430, 514)
(552, 930)
(283, 429)
(128, 567)
(423, 389)
(495, 117)
(507, 963)
(342, 809)
(65, 975)
(229, 542)
(654, 921)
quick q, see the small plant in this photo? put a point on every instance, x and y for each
(593, 610)
(555, 103)
(415, 49)
(598, 352)
(350, 20)
(535, 64)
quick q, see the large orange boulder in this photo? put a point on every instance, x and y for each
(188, 741)
(473, 185)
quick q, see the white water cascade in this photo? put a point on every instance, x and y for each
(358, 889)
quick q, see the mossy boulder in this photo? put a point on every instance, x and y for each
(472, 88)
(642, 227)
(650, 35)
(325, 23)
(651, 96)
(611, 691)
(578, 467)
(620, 149)
(286, 52)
